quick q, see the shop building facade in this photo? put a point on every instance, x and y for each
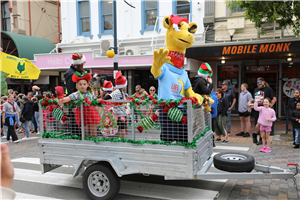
(239, 54)
(87, 27)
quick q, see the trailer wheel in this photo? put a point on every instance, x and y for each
(234, 162)
(100, 182)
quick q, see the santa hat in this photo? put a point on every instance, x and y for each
(120, 81)
(59, 92)
(107, 86)
(205, 70)
(78, 59)
(176, 20)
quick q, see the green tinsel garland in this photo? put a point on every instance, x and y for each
(190, 145)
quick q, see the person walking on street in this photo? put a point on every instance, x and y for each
(261, 92)
(291, 107)
(214, 112)
(295, 117)
(10, 116)
(220, 124)
(266, 116)
(16, 93)
(244, 111)
(229, 95)
(27, 114)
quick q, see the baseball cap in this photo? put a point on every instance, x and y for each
(225, 83)
(260, 79)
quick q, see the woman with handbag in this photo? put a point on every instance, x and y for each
(10, 116)
(27, 114)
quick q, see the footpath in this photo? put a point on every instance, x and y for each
(282, 153)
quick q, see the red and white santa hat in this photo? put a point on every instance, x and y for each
(78, 59)
(176, 20)
(120, 81)
(107, 86)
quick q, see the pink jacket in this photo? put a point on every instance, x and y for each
(264, 114)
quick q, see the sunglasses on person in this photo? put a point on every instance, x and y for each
(259, 82)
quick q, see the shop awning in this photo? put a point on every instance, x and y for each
(248, 50)
(24, 46)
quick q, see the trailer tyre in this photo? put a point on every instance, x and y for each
(100, 182)
(234, 162)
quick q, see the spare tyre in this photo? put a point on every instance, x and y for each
(234, 162)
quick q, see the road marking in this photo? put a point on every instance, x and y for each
(29, 160)
(223, 147)
(30, 196)
(127, 187)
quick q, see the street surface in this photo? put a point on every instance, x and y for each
(29, 183)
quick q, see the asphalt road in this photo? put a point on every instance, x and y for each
(29, 183)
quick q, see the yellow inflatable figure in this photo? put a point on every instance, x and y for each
(168, 69)
(179, 37)
(207, 102)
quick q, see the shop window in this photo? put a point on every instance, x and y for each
(106, 18)
(237, 9)
(83, 18)
(6, 26)
(183, 8)
(290, 83)
(150, 11)
(230, 74)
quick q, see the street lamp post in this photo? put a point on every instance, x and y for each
(115, 38)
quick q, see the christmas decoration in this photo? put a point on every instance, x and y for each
(108, 125)
(58, 114)
(190, 145)
(147, 123)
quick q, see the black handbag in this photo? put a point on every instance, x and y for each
(22, 119)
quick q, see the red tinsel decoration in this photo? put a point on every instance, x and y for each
(184, 120)
(154, 117)
(166, 109)
(87, 101)
(64, 118)
(140, 129)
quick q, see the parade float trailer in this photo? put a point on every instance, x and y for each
(103, 160)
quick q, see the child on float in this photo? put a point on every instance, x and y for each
(266, 116)
(119, 94)
(90, 115)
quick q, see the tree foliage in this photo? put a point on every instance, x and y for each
(285, 13)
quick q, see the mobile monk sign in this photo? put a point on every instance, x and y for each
(243, 49)
(18, 68)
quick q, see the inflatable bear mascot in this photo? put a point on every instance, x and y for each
(173, 80)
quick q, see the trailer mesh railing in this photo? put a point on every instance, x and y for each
(149, 122)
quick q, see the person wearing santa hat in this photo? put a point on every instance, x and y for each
(78, 61)
(202, 82)
(119, 94)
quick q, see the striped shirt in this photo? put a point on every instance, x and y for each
(119, 110)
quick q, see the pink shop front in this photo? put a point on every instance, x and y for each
(136, 69)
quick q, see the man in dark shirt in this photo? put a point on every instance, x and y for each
(229, 94)
(292, 106)
(261, 92)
